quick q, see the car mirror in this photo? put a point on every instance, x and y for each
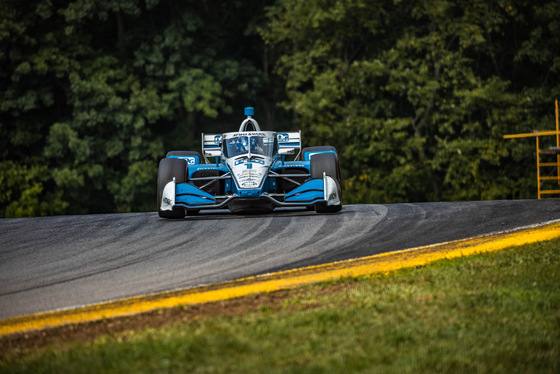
(286, 151)
(212, 153)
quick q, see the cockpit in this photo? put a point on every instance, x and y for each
(250, 144)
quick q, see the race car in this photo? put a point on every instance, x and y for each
(250, 173)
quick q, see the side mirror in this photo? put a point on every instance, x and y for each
(286, 151)
(212, 153)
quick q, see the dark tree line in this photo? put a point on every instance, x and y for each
(415, 95)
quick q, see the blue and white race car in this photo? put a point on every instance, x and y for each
(250, 173)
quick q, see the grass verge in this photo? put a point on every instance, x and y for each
(496, 312)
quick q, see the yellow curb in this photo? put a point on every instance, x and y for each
(381, 263)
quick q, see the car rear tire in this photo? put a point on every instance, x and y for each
(326, 163)
(323, 148)
(170, 168)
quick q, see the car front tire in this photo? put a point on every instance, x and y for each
(326, 163)
(170, 168)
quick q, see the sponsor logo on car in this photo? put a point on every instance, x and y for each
(191, 160)
(259, 134)
(245, 161)
(283, 138)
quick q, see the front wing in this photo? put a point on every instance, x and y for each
(314, 191)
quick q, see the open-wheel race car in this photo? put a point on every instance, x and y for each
(250, 173)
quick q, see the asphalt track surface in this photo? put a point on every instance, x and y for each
(54, 263)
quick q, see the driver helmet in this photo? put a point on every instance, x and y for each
(241, 143)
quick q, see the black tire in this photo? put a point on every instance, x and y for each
(169, 168)
(184, 153)
(326, 163)
(323, 148)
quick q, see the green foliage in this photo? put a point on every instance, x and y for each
(415, 95)
(21, 191)
(94, 94)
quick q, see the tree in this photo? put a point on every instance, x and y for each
(96, 92)
(415, 95)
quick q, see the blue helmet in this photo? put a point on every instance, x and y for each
(242, 143)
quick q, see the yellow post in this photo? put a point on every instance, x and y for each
(557, 144)
(538, 168)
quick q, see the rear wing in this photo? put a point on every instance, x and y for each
(290, 143)
(211, 146)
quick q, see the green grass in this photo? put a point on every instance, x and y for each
(490, 313)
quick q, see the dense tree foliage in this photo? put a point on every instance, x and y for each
(416, 95)
(94, 93)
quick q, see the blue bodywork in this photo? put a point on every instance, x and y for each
(249, 172)
(192, 197)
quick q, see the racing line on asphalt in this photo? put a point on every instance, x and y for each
(379, 263)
